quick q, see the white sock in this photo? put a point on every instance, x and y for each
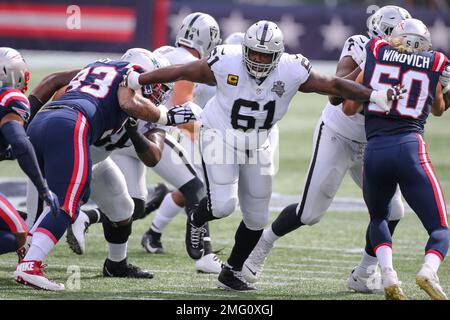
(41, 245)
(166, 212)
(384, 255)
(433, 260)
(367, 261)
(117, 251)
(269, 236)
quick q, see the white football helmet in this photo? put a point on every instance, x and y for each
(412, 35)
(265, 37)
(384, 20)
(13, 69)
(148, 61)
(235, 38)
(199, 31)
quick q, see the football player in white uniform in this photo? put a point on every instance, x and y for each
(255, 84)
(170, 206)
(338, 147)
(198, 35)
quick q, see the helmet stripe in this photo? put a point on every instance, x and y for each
(264, 34)
(188, 29)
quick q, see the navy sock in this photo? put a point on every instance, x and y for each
(8, 242)
(56, 225)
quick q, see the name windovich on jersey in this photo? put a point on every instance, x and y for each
(418, 72)
(243, 111)
(350, 127)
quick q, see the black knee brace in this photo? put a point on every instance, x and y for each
(193, 192)
(139, 209)
(115, 233)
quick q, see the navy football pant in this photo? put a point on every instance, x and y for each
(403, 159)
(61, 139)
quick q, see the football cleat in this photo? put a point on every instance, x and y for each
(209, 263)
(156, 198)
(194, 238)
(123, 269)
(428, 281)
(151, 241)
(391, 285)
(254, 264)
(76, 233)
(230, 279)
(31, 273)
(363, 281)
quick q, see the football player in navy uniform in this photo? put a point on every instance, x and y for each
(14, 144)
(61, 132)
(255, 84)
(396, 152)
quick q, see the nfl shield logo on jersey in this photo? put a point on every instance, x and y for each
(278, 88)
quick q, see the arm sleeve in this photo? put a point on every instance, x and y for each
(23, 150)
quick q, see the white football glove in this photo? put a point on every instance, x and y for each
(178, 114)
(381, 98)
(131, 80)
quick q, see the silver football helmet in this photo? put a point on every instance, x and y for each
(264, 37)
(384, 20)
(148, 61)
(235, 38)
(199, 31)
(411, 35)
(13, 69)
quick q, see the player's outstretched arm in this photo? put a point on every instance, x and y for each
(350, 90)
(351, 107)
(196, 71)
(136, 106)
(47, 88)
(348, 69)
(12, 129)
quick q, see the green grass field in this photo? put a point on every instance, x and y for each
(312, 263)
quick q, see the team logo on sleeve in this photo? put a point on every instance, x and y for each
(232, 79)
(278, 88)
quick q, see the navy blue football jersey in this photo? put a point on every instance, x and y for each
(93, 91)
(12, 100)
(418, 72)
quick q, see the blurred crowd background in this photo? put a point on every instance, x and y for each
(317, 29)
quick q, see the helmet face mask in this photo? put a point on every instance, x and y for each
(158, 93)
(266, 38)
(13, 70)
(148, 61)
(199, 31)
(384, 20)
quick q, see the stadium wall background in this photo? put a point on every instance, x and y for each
(316, 31)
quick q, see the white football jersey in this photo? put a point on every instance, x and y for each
(351, 127)
(176, 55)
(241, 104)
